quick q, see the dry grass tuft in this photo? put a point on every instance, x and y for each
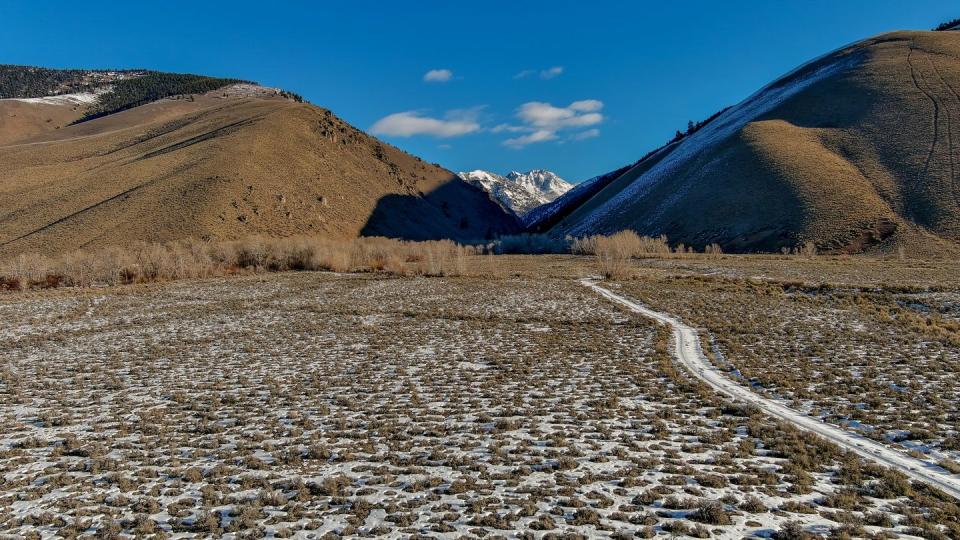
(615, 251)
(185, 259)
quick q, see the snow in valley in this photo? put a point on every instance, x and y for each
(315, 405)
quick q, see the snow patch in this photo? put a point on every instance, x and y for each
(79, 98)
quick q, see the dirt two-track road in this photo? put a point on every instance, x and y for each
(688, 353)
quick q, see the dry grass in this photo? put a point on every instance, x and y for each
(143, 262)
(615, 251)
(189, 259)
(225, 168)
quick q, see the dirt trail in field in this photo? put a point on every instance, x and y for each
(688, 353)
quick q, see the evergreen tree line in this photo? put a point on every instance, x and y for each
(34, 82)
(946, 25)
(133, 92)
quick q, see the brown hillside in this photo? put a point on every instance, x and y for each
(225, 167)
(20, 120)
(857, 151)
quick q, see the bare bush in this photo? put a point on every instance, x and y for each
(712, 513)
(185, 259)
(808, 249)
(615, 251)
(950, 465)
(714, 250)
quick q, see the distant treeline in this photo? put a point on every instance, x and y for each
(35, 82)
(693, 127)
(946, 25)
(292, 95)
(136, 91)
(129, 89)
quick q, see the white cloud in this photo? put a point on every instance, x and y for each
(469, 114)
(438, 75)
(586, 105)
(540, 135)
(545, 115)
(544, 74)
(541, 121)
(588, 134)
(550, 73)
(409, 123)
(500, 128)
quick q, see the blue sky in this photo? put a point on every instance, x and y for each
(576, 87)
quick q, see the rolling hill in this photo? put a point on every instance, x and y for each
(856, 151)
(234, 160)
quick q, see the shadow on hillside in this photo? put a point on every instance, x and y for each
(455, 210)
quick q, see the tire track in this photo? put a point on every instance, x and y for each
(950, 151)
(688, 353)
(936, 113)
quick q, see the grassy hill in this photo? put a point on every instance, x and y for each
(855, 151)
(224, 164)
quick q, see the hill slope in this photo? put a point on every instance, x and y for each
(230, 163)
(856, 151)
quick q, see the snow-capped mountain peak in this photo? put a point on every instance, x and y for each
(517, 191)
(541, 181)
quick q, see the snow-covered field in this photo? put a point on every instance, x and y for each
(688, 351)
(881, 363)
(314, 404)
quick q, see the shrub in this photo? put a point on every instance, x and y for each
(615, 251)
(712, 513)
(947, 464)
(184, 259)
(714, 250)
(791, 530)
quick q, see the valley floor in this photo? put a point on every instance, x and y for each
(520, 404)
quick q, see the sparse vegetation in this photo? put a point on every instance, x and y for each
(367, 404)
(693, 127)
(865, 346)
(142, 263)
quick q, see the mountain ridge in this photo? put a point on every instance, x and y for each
(519, 192)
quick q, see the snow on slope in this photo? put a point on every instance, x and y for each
(546, 211)
(79, 98)
(725, 125)
(542, 182)
(519, 192)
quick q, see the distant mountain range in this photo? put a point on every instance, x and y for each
(519, 192)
